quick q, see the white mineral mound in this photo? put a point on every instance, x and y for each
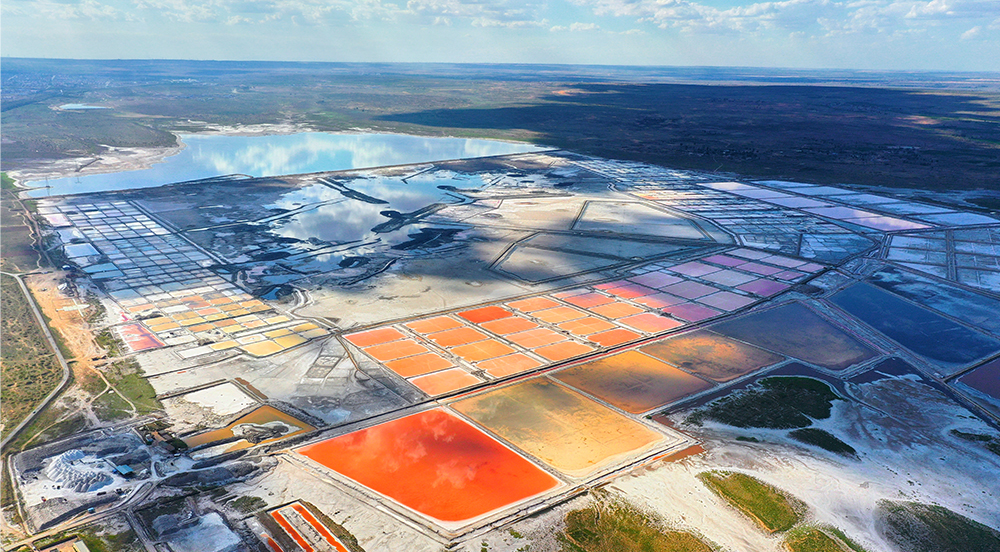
(67, 470)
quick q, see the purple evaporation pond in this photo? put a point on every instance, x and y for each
(726, 300)
(764, 287)
(691, 312)
(690, 290)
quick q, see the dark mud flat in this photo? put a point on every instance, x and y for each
(919, 330)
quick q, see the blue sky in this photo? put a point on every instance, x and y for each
(854, 34)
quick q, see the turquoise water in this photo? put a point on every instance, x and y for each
(210, 156)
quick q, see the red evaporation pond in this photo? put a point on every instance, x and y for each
(319, 527)
(435, 464)
(138, 338)
(292, 532)
(485, 314)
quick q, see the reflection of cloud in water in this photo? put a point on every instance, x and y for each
(350, 220)
(311, 152)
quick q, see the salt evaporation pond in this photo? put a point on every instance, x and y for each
(212, 156)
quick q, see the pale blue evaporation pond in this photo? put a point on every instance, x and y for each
(210, 156)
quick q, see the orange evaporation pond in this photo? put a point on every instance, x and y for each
(711, 355)
(485, 314)
(417, 365)
(395, 349)
(632, 381)
(374, 337)
(631, 291)
(586, 326)
(562, 351)
(559, 314)
(435, 464)
(536, 338)
(261, 416)
(795, 330)
(533, 304)
(270, 542)
(651, 323)
(483, 350)
(614, 337)
(588, 300)
(292, 532)
(564, 429)
(458, 336)
(507, 365)
(510, 325)
(319, 527)
(616, 310)
(431, 325)
(440, 383)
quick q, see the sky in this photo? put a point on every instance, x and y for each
(951, 35)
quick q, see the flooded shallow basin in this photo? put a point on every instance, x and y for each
(434, 463)
(632, 381)
(797, 331)
(711, 355)
(922, 331)
(207, 156)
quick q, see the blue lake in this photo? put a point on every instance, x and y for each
(210, 156)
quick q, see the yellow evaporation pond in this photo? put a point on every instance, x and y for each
(560, 427)
(304, 327)
(278, 333)
(290, 341)
(262, 348)
(277, 319)
(318, 332)
(223, 345)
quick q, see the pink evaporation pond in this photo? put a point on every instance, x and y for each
(985, 379)
(434, 463)
(139, 338)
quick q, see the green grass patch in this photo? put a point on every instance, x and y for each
(6, 182)
(817, 539)
(110, 407)
(29, 370)
(917, 527)
(109, 342)
(249, 504)
(126, 376)
(822, 439)
(615, 526)
(770, 507)
(781, 402)
(991, 443)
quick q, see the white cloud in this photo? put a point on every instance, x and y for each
(972, 33)
(576, 27)
(812, 17)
